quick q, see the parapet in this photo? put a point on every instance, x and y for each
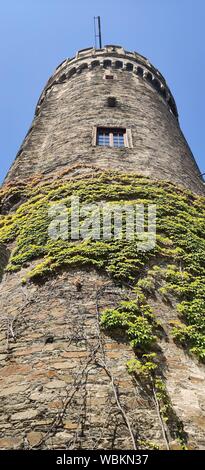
(114, 57)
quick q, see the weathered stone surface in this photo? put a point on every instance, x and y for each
(24, 415)
(4, 257)
(55, 384)
(13, 443)
(62, 393)
(34, 438)
(13, 390)
(91, 402)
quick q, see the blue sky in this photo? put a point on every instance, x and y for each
(36, 35)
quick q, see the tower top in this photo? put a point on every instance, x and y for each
(111, 56)
(106, 108)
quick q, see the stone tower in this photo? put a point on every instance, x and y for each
(102, 345)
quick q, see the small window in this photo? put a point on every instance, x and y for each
(62, 78)
(107, 63)
(129, 67)
(118, 64)
(95, 63)
(111, 101)
(140, 71)
(149, 77)
(109, 77)
(163, 93)
(112, 137)
(156, 84)
(71, 72)
(83, 67)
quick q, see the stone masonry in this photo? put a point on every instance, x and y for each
(64, 383)
(57, 373)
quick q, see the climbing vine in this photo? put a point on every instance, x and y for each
(175, 267)
(135, 320)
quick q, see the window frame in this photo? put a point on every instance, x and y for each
(126, 134)
(111, 131)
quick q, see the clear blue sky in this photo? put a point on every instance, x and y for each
(36, 35)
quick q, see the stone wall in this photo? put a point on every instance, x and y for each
(59, 377)
(4, 256)
(54, 383)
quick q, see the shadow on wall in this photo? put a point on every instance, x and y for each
(4, 258)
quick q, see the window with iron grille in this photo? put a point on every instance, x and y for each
(112, 137)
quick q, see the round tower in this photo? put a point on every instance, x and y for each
(101, 90)
(102, 341)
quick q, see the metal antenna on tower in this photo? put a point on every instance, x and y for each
(97, 29)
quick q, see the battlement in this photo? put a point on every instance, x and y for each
(111, 57)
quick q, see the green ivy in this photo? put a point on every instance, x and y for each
(168, 414)
(135, 319)
(143, 367)
(175, 267)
